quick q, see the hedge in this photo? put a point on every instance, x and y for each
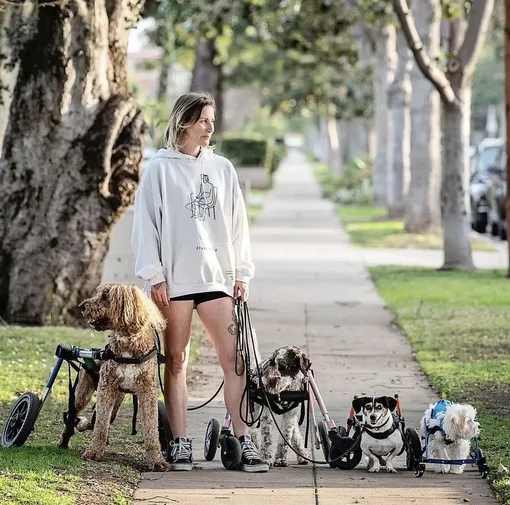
(251, 150)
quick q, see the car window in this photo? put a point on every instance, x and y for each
(490, 156)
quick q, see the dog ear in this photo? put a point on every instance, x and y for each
(304, 362)
(391, 402)
(140, 310)
(359, 403)
(116, 302)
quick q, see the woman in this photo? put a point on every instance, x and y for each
(192, 246)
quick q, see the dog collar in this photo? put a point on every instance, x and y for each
(380, 435)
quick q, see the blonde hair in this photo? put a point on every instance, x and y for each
(185, 113)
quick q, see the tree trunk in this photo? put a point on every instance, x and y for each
(164, 72)
(334, 152)
(454, 194)
(385, 68)
(208, 76)
(399, 100)
(12, 30)
(72, 152)
(422, 207)
(507, 124)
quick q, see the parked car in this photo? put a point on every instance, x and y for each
(496, 195)
(488, 155)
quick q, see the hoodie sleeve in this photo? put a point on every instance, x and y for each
(245, 269)
(145, 238)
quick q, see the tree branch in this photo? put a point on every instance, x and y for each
(426, 65)
(478, 23)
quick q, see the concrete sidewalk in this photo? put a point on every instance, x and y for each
(312, 289)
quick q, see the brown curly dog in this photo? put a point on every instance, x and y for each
(131, 317)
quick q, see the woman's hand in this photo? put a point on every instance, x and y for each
(241, 291)
(159, 294)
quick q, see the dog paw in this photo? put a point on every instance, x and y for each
(390, 469)
(159, 466)
(91, 455)
(83, 425)
(458, 469)
(301, 461)
(374, 469)
(280, 462)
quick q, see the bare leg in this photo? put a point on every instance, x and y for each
(218, 318)
(176, 343)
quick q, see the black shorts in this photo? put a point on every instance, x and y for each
(201, 297)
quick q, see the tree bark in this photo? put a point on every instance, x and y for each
(12, 29)
(72, 153)
(385, 68)
(507, 117)
(399, 100)
(455, 181)
(335, 164)
(422, 206)
(208, 76)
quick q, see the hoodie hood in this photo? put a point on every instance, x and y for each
(172, 154)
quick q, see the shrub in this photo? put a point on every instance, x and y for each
(353, 185)
(275, 153)
(252, 150)
(242, 150)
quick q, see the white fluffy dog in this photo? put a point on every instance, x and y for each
(449, 427)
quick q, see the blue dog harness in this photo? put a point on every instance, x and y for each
(438, 412)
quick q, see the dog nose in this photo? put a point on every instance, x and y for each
(373, 418)
(81, 307)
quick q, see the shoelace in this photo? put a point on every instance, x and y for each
(249, 450)
(181, 450)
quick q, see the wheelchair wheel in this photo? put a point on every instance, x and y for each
(413, 449)
(231, 452)
(164, 430)
(212, 437)
(483, 468)
(323, 434)
(21, 420)
(350, 460)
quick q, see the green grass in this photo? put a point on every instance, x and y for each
(458, 326)
(369, 227)
(39, 473)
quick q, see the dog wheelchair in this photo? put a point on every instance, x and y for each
(339, 449)
(418, 456)
(22, 417)
(354, 429)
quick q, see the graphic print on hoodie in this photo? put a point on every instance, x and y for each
(204, 203)
(190, 226)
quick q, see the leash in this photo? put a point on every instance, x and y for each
(244, 336)
(161, 361)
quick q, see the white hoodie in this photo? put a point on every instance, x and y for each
(190, 227)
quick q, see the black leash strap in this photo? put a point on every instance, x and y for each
(244, 338)
(135, 413)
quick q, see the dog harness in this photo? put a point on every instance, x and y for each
(437, 414)
(380, 435)
(108, 354)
